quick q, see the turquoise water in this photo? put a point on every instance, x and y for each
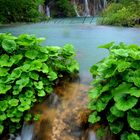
(84, 36)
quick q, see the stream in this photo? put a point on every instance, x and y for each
(64, 113)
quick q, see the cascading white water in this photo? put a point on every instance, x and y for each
(48, 11)
(87, 12)
(105, 3)
(40, 8)
(91, 135)
(75, 8)
(27, 132)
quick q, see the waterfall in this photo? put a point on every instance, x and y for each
(40, 8)
(27, 132)
(75, 8)
(48, 11)
(105, 3)
(91, 135)
(87, 12)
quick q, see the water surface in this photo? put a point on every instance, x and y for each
(85, 37)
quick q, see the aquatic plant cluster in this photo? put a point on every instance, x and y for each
(115, 96)
(28, 73)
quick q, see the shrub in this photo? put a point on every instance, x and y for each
(19, 10)
(121, 14)
(28, 73)
(115, 96)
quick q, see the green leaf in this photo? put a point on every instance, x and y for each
(48, 89)
(13, 102)
(4, 88)
(4, 71)
(3, 117)
(3, 105)
(126, 102)
(23, 108)
(42, 57)
(116, 127)
(122, 96)
(73, 66)
(52, 76)
(22, 82)
(1, 128)
(136, 81)
(15, 120)
(29, 93)
(26, 67)
(4, 61)
(34, 75)
(9, 45)
(31, 54)
(68, 50)
(45, 68)
(94, 93)
(17, 89)
(36, 117)
(120, 52)
(133, 136)
(130, 136)
(93, 70)
(110, 117)
(100, 132)
(39, 85)
(35, 65)
(122, 65)
(102, 102)
(16, 58)
(133, 118)
(93, 118)
(107, 46)
(116, 112)
(41, 93)
(16, 73)
(28, 117)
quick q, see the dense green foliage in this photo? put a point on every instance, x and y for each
(115, 96)
(28, 72)
(125, 12)
(62, 8)
(19, 10)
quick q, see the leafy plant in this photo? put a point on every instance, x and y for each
(28, 72)
(115, 96)
(125, 13)
(20, 11)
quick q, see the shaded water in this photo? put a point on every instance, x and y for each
(64, 114)
(65, 120)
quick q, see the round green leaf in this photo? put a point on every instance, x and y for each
(41, 93)
(13, 102)
(126, 102)
(116, 126)
(9, 45)
(116, 112)
(31, 54)
(93, 118)
(133, 118)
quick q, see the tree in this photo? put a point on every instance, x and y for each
(19, 10)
